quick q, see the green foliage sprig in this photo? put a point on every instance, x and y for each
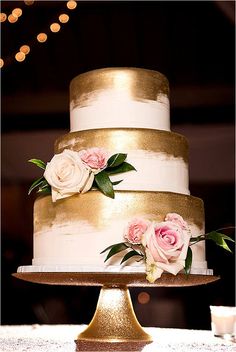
(116, 164)
(215, 236)
(41, 183)
(138, 250)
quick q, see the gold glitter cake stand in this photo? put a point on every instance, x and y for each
(114, 322)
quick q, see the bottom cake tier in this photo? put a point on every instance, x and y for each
(70, 234)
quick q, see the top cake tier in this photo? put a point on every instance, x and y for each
(119, 98)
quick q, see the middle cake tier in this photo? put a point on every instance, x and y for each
(159, 157)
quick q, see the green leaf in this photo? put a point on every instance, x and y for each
(111, 246)
(114, 249)
(38, 162)
(121, 168)
(104, 184)
(44, 184)
(116, 160)
(188, 261)
(130, 255)
(116, 182)
(36, 184)
(219, 239)
(45, 190)
(44, 187)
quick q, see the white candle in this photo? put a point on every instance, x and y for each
(223, 321)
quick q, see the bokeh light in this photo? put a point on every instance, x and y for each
(29, 2)
(25, 49)
(143, 297)
(3, 17)
(63, 18)
(20, 56)
(42, 37)
(17, 12)
(55, 27)
(71, 4)
(12, 19)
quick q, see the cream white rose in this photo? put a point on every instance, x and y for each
(67, 175)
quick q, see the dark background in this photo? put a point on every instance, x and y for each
(192, 43)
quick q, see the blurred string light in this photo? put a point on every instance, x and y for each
(29, 2)
(71, 4)
(55, 27)
(17, 12)
(40, 37)
(3, 17)
(63, 18)
(144, 297)
(12, 17)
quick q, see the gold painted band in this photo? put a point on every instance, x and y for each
(100, 211)
(125, 140)
(139, 84)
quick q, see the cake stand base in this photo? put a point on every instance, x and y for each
(114, 326)
(114, 323)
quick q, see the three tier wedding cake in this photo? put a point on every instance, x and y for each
(115, 196)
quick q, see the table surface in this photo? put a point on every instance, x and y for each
(61, 338)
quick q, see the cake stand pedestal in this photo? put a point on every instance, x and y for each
(114, 326)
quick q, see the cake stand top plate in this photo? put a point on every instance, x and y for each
(114, 279)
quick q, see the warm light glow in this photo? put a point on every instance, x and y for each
(71, 4)
(20, 56)
(63, 18)
(55, 27)
(25, 49)
(42, 37)
(143, 297)
(1, 63)
(17, 12)
(3, 17)
(12, 19)
(29, 2)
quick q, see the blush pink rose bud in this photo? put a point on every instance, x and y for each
(176, 219)
(135, 230)
(95, 158)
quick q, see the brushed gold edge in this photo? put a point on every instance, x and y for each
(132, 130)
(138, 70)
(171, 143)
(126, 79)
(153, 205)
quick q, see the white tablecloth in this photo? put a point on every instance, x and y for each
(60, 338)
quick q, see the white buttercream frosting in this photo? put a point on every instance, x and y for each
(154, 172)
(112, 110)
(80, 244)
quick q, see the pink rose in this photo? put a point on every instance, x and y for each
(177, 219)
(135, 230)
(166, 246)
(95, 158)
